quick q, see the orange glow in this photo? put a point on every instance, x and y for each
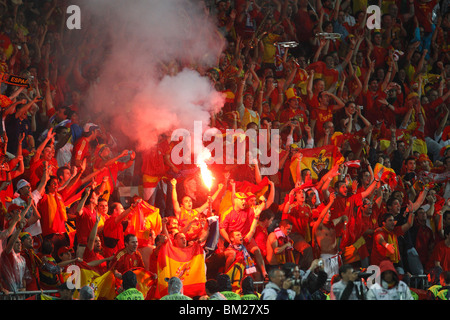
(207, 176)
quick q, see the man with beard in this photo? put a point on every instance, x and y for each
(242, 220)
(385, 239)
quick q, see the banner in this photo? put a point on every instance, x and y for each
(13, 80)
(188, 264)
(316, 160)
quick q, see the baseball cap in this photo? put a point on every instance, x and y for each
(240, 195)
(22, 183)
(88, 127)
(64, 250)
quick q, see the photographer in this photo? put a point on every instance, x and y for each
(348, 288)
(278, 287)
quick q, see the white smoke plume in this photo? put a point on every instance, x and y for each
(148, 52)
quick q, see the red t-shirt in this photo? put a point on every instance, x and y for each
(379, 252)
(441, 253)
(84, 223)
(238, 221)
(301, 217)
(126, 261)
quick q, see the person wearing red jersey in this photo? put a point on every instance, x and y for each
(385, 239)
(93, 252)
(113, 229)
(128, 258)
(85, 219)
(44, 153)
(300, 215)
(53, 215)
(82, 147)
(441, 252)
(324, 112)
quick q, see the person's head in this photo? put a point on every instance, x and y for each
(388, 221)
(64, 292)
(240, 200)
(373, 84)
(47, 247)
(62, 113)
(300, 196)
(131, 243)
(367, 206)
(266, 218)
(347, 273)
(23, 188)
(341, 188)
(65, 253)
(186, 203)
(180, 240)
(285, 226)
(277, 276)
(446, 218)
(306, 175)
(236, 237)
(393, 206)
(323, 98)
(388, 272)
(48, 153)
(87, 293)
(365, 177)
(26, 239)
(211, 287)
(91, 131)
(102, 206)
(318, 85)
(311, 197)
(224, 282)
(129, 280)
(248, 286)
(421, 216)
(63, 173)
(61, 132)
(175, 285)
(52, 185)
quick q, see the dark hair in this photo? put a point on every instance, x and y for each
(386, 216)
(285, 222)
(129, 280)
(344, 268)
(212, 286)
(266, 214)
(60, 171)
(127, 237)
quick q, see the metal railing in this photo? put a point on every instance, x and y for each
(23, 295)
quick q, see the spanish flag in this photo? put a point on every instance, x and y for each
(103, 285)
(145, 280)
(144, 219)
(388, 177)
(188, 264)
(317, 159)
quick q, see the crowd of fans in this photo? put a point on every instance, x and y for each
(314, 71)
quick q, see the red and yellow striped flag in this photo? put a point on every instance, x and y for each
(317, 159)
(188, 264)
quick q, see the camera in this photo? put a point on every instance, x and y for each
(296, 281)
